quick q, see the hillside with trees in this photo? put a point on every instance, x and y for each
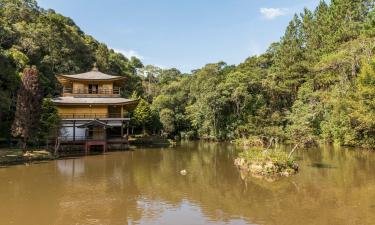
(54, 44)
(317, 83)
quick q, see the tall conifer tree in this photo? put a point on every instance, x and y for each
(29, 101)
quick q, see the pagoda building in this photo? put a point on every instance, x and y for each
(92, 111)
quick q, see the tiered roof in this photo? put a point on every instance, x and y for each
(93, 75)
(70, 100)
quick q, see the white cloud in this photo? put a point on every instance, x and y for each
(129, 53)
(272, 13)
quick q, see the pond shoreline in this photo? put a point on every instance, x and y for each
(15, 156)
(19, 158)
(10, 157)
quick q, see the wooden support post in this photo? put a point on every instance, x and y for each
(86, 148)
(74, 130)
(122, 130)
(105, 140)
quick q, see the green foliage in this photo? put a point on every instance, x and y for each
(167, 118)
(304, 88)
(363, 113)
(29, 101)
(9, 82)
(305, 116)
(171, 102)
(49, 121)
(267, 163)
(20, 59)
(30, 35)
(143, 114)
(275, 156)
(315, 83)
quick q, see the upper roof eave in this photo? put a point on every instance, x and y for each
(88, 78)
(93, 75)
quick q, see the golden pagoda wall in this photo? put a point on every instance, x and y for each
(85, 109)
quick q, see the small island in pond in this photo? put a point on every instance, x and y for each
(266, 162)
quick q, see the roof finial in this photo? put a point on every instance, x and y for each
(94, 67)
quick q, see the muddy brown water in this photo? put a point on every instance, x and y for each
(334, 186)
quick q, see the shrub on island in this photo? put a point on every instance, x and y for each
(260, 162)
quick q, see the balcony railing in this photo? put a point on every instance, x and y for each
(90, 138)
(85, 91)
(90, 115)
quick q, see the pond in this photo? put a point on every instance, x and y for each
(334, 186)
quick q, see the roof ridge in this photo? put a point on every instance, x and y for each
(93, 75)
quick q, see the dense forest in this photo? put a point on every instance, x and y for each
(30, 35)
(316, 84)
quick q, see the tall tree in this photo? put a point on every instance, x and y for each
(49, 121)
(289, 71)
(364, 105)
(29, 101)
(143, 114)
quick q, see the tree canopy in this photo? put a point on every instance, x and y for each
(30, 35)
(315, 83)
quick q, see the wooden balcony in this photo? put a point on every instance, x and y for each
(90, 115)
(115, 92)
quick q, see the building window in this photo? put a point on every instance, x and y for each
(93, 89)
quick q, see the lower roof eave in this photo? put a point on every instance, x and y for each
(125, 103)
(71, 100)
(102, 119)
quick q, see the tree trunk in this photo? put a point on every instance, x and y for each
(269, 144)
(57, 146)
(24, 145)
(291, 152)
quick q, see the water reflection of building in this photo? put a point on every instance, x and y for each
(71, 167)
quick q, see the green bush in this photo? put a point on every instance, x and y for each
(267, 162)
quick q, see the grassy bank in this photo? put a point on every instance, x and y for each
(17, 156)
(151, 141)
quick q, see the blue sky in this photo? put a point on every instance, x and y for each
(185, 34)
